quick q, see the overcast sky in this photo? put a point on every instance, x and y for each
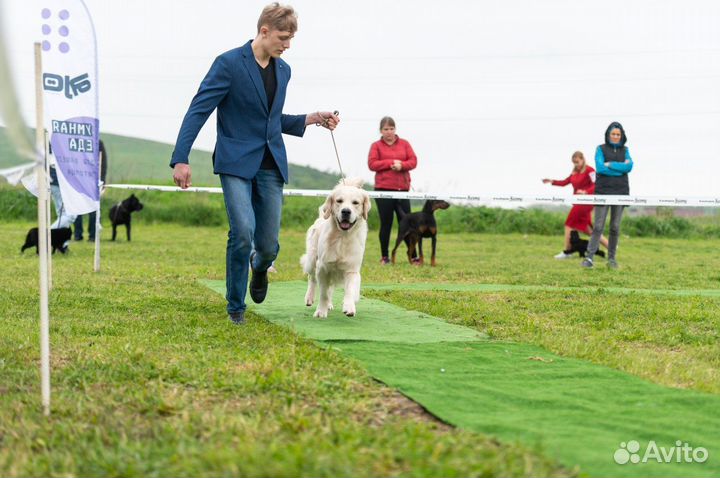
(493, 96)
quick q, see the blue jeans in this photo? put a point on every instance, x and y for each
(254, 208)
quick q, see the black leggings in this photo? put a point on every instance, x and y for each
(386, 208)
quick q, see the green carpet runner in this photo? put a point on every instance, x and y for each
(580, 413)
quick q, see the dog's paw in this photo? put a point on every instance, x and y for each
(321, 313)
(349, 309)
(309, 299)
(330, 306)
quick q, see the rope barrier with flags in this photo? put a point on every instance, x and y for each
(475, 199)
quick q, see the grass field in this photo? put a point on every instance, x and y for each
(149, 377)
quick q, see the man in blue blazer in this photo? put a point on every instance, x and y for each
(247, 86)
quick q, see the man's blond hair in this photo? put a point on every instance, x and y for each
(278, 17)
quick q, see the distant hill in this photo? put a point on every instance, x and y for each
(134, 160)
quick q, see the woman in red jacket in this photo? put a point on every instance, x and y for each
(392, 159)
(579, 219)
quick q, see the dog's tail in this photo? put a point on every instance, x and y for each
(304, 263)
(308, 260)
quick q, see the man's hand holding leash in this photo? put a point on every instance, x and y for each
(326, 119)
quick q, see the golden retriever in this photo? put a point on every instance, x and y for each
(335, 245)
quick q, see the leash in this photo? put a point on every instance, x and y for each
(325, 123)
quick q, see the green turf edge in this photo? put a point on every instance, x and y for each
(518, 287)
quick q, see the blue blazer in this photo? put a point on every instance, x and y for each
(245, 122)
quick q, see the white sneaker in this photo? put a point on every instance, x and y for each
(563, 255)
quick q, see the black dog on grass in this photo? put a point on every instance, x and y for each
(580, 245)
(414, 226)
(121, 214)
(58, 238)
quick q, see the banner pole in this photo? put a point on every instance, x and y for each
(97, 214)
(48, 205)
(43, 226)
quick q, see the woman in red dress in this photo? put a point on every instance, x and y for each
(579, 219)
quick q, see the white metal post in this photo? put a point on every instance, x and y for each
(48, 206)
(43, 226)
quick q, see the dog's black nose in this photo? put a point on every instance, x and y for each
(345, 212)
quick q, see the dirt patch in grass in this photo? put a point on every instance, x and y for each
(389, 404)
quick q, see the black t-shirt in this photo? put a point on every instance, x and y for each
(270, 83)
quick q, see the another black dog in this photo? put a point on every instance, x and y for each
(580, 245)
(414, 226)
(58, 238)
(120, 214)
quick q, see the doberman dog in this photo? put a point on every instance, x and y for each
(414, 226)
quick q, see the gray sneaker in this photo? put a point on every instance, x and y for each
(612, 264)
(587, 263)
(237, 318)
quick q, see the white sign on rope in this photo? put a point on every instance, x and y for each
(672, 201)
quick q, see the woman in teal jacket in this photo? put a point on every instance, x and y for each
(612, 165)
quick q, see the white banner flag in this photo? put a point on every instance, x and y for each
(71, 100)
